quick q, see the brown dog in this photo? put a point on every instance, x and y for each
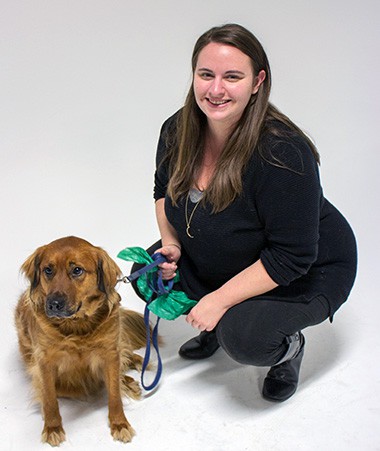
(73, 335)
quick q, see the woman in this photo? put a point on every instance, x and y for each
(242, 216)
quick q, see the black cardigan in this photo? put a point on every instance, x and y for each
(281, 217)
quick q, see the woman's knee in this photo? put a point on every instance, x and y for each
(249, 339)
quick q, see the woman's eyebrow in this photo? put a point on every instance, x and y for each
(235, 72)
(228, 72)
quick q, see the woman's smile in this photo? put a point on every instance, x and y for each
(218, 103)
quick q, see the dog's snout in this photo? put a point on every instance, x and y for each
(56, 305)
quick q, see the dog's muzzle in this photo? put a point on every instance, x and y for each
(56, 306)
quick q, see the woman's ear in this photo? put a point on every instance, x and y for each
(259, 79)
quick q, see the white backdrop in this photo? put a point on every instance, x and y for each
(84, 88)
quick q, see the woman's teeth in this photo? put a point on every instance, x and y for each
(218, 102)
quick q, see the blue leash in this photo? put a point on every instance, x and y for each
(158, 287)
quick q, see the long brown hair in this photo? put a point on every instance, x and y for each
(186, 142)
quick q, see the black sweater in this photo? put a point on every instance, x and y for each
(281, 217)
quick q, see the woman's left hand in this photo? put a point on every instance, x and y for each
(207, 313)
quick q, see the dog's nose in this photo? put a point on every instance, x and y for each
(55, 305)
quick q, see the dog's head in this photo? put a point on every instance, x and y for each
(71, 278)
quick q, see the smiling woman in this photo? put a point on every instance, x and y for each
(243, 218)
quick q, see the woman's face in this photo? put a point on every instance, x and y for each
(223, 83)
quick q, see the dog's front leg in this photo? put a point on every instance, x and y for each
(53, 432)
(120, 428)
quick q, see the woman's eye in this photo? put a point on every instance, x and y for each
(205, 75)
(77, 271)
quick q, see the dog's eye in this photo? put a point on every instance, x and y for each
(77, 271)
(48, 271)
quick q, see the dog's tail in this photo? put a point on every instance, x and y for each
(133, 323)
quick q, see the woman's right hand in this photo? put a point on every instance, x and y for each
(172, 252)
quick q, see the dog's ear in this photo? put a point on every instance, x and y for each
(31, 267)
(108, 272)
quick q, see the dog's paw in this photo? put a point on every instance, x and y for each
(53, 435)
(122, 432)
(130, 387)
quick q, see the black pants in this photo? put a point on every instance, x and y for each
(254, 332)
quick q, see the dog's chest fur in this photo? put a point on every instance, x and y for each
(79, 359)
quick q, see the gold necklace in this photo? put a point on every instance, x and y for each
(189, 218)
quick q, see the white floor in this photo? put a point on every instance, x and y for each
(84, 89)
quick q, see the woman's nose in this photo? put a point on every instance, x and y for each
(217, 87)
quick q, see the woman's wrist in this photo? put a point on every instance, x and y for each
(174, 244)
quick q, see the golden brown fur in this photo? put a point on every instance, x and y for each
(73, 335)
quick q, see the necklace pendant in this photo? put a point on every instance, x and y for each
(189, 218)
(188, 232)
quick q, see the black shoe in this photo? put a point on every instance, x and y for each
(282, 380)
(201, 347)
